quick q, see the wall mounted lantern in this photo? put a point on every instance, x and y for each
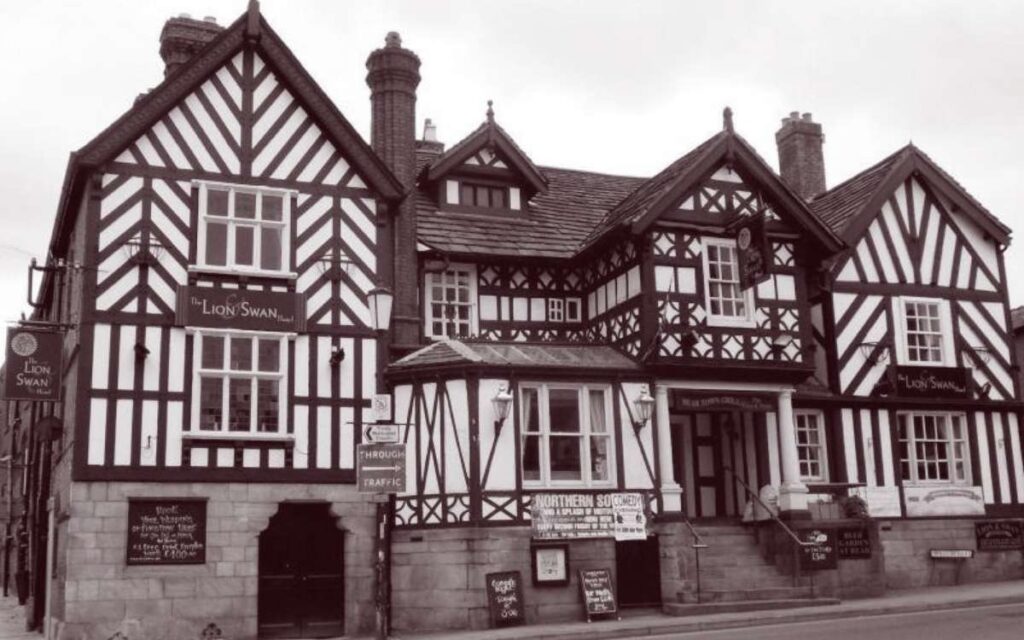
(380, 300)
(337, 356)
(332, 263)
(502, 403)
(141, 350)
(983, 390)
(870, 352)
(143, 250)
(644, 405)
(982, 354)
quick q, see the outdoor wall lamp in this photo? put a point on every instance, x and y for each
(143, 250)
(380, 300)
(332, 263)
(502, 403)
(883, 387)
(870, 352)
(982, 354)
(983, 390)
(687, 339)
(337, 356)
(141, 350)
(644, 405)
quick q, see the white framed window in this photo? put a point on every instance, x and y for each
(810, 445)
(925, 335)
(726, 303)
(573, 309)
(933, 447)
(566, 435)
(451, 296)
(556, 310)
(244, 229)
(239, 382)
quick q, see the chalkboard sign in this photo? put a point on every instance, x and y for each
(998, 535)
(505, 598)
(821, 555)
(167, 531)
(597, 592)
(854, 543)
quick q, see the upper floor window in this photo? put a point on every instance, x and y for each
(566, 435)
(450, 308)
(243, 228)
(925, 332)
(239, 381)
(810, 445)
(482, 195)
(933, 447)
(727, 303)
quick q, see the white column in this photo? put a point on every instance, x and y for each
(671, 492)
(793, 493)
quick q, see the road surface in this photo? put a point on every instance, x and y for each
(993, 622)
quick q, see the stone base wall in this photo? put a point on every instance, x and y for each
(101, 595)
(907, 544)
(437, 577)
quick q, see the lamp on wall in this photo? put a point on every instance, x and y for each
(337, 356)
(143, 250)
(883, 387)
(332, 263)
(502, 403)
(687, 339)
(982, 391)
(982, 354)
(644, 405)
(380, 300)
(870, 352)
(141, 350)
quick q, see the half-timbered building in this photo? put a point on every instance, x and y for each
(588, 371)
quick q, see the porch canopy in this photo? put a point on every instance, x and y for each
(447, 353)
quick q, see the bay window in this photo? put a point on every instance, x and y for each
(243, 229)
(239, 382)
(566, 435)
(933, 447)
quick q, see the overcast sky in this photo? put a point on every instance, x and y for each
(620, 87)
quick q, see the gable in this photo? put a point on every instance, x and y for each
(918, 237)
(485, 158)
(208, 131)
(721, 196)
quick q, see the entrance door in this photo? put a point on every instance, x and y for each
(301, 574)
(638, 572)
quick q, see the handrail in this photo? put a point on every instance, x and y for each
(764, 506)
(698, 540)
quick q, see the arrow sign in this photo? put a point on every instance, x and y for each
(380, 468)
(381, 433)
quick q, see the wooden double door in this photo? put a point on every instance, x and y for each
(301, 574)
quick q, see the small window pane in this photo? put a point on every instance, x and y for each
(481, 197)
(266, 405)
(565, 458)
(241, 354)
(564, 406)
(216, 244)
(269, 355)
(239, 404)
(211, 396)
(531, 457)
(531, 411)
(245, 205)
(466, 195)
(216, 202)
(273, 208)
(597, 411)
(498, 198)
(270, 248)
(244, 245)
(599, 458)
(213, 352)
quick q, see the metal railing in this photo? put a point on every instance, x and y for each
(698, 544)
(798, 544)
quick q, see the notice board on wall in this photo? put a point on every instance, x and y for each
(505, 598)
(854, 543)
(998, 535)
(167, 531)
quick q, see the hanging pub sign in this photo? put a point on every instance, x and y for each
(928, 382)
(998, 535)
(573, 516)
(33, 365)
(250, 309)
(721, 400)
(505, 598)
(167, 531)
(596, 590)
(753, 251)
(854, 543)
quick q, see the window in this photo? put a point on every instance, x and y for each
(243, 229)
(556, 310)
(726, 302)
(810, 446)
(484, 196)
(924, 333)
(566, 439)
(450, 309)
(572, 310)
(239, 381)
(933, 448)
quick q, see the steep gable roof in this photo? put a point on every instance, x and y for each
(849, 207)
(488, 134)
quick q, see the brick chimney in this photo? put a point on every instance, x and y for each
(801, 162)
(393, 75)
(183, 37)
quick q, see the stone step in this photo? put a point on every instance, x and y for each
(704, 608)
(753, 592)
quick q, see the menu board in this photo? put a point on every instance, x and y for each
(167, 531)
(597, 592)
(998, 535)
(505, 598)
(854, 543)
(820, 555)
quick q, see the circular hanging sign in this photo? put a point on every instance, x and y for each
(24, 344)
(743, 240)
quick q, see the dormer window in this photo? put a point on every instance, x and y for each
(483, 196)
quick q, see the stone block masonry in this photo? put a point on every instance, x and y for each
(101, 595)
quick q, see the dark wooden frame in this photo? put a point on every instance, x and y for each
(538, 581)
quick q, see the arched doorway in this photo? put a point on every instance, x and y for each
(301, 574)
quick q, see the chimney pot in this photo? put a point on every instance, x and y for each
(807, 117)
(210, 19)
(801, 160)
(429, 131)
(794, 115)
(393, 39)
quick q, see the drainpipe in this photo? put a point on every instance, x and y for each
(48, 611)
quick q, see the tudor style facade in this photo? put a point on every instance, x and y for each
(702, 340)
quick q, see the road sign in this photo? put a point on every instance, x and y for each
(381, 433)
(382, 407)
(380, 468)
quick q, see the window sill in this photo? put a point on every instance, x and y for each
(735, 323)
(248, 273)
(239, 437)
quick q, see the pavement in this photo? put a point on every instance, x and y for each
(655, 624)
(12, 621)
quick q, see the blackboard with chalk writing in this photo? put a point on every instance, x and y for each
(167, 531)
(505, 598)
(597, 592)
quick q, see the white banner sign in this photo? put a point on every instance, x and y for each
(944, 501)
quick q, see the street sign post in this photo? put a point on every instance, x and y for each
(381, 433)
(380, 468)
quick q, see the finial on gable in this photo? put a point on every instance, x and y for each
(727, 119)
(490, 111)
(252, 20)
